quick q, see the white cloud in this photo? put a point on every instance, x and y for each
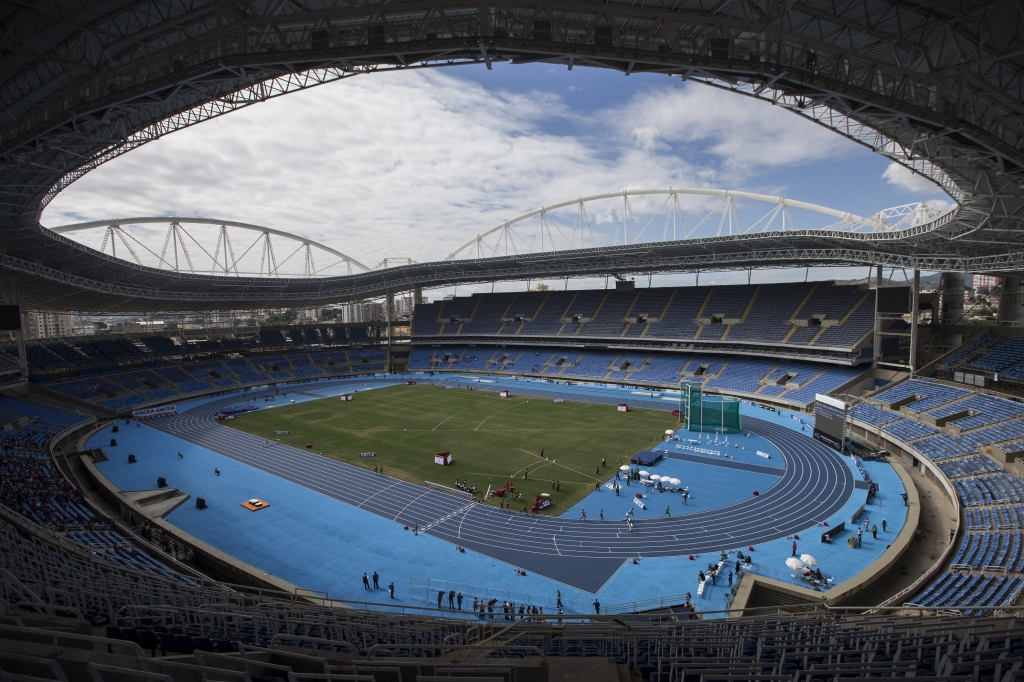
(403, 164)
(415, 163)
(741, 131)
(909, 181)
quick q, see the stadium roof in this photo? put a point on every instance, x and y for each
(935, 86)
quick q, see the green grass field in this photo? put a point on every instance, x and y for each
(491, 439)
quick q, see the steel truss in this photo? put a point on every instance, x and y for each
(935, 87)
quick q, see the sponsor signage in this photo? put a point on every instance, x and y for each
(156, 411)
(281, 433)
(559, 400)
(363, 454)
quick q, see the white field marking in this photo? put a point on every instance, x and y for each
(497, 413)
(415, 499)
(554, 541)
(455, 415)
(551, 461)
(460, 510)
(535, 468)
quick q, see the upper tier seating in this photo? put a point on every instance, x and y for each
(161, 345)
(821, 314)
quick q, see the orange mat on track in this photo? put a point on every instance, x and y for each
(255, 504)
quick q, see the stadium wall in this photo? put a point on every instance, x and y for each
(910, 457)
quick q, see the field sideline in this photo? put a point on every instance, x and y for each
(491, 438)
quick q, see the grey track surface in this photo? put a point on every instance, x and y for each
(815, 485)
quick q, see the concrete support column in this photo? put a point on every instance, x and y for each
(417, 295)
(914, 314)
(389, 305)
(951, 304)
(19, 336)
(877, 354)
(1011, 301)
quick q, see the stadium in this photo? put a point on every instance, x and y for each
(792, 480)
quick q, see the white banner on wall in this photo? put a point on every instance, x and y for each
(148, 412)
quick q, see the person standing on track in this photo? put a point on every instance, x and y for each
(458, 598)
(451, 599)
(686, 495)
(376, 581)
(794, 547)
(874, 531)
(559, 598)
(440, 599)
(391, 589)
(366, 582)
(583, 515)
(883, 525)
(597, 607)
(602, 514)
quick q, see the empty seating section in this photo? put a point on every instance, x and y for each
(1009, 516)
(610, 319)
(661, 368)
(969, 466)
(206, 370)
(971, 590)
(990, 551)
(272, 338)
(367, 359)
(547, 320)
(85, 389)
(487, 314)
(725, 303)
(244, 371)
(908, 430)
(1000, 356)
(303, 366)
(584, 306)
(988, 409)
(873, 415)
(591, 364)
(137, 380)
(161, 345)
(999, 488)
(706, 365)
(69, 353)
(764, 322)
(123, 402)
(721, 372)
(649, 304)
(831, 378)
(930, 394)
(976, 345)
(742, 375)
(680, 317)
(40, 357)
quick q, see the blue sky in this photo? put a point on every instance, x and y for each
(415, 163)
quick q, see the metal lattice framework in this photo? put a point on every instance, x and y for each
(935, 86)
(571, 225)
(213, 251)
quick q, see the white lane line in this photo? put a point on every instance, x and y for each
(554, 541)
(458, 413)
(447, 516)
(497, 413)
(407, 506)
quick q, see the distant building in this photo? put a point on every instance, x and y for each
(48, 325)
(984, 282)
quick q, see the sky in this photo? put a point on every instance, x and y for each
(415, 163)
